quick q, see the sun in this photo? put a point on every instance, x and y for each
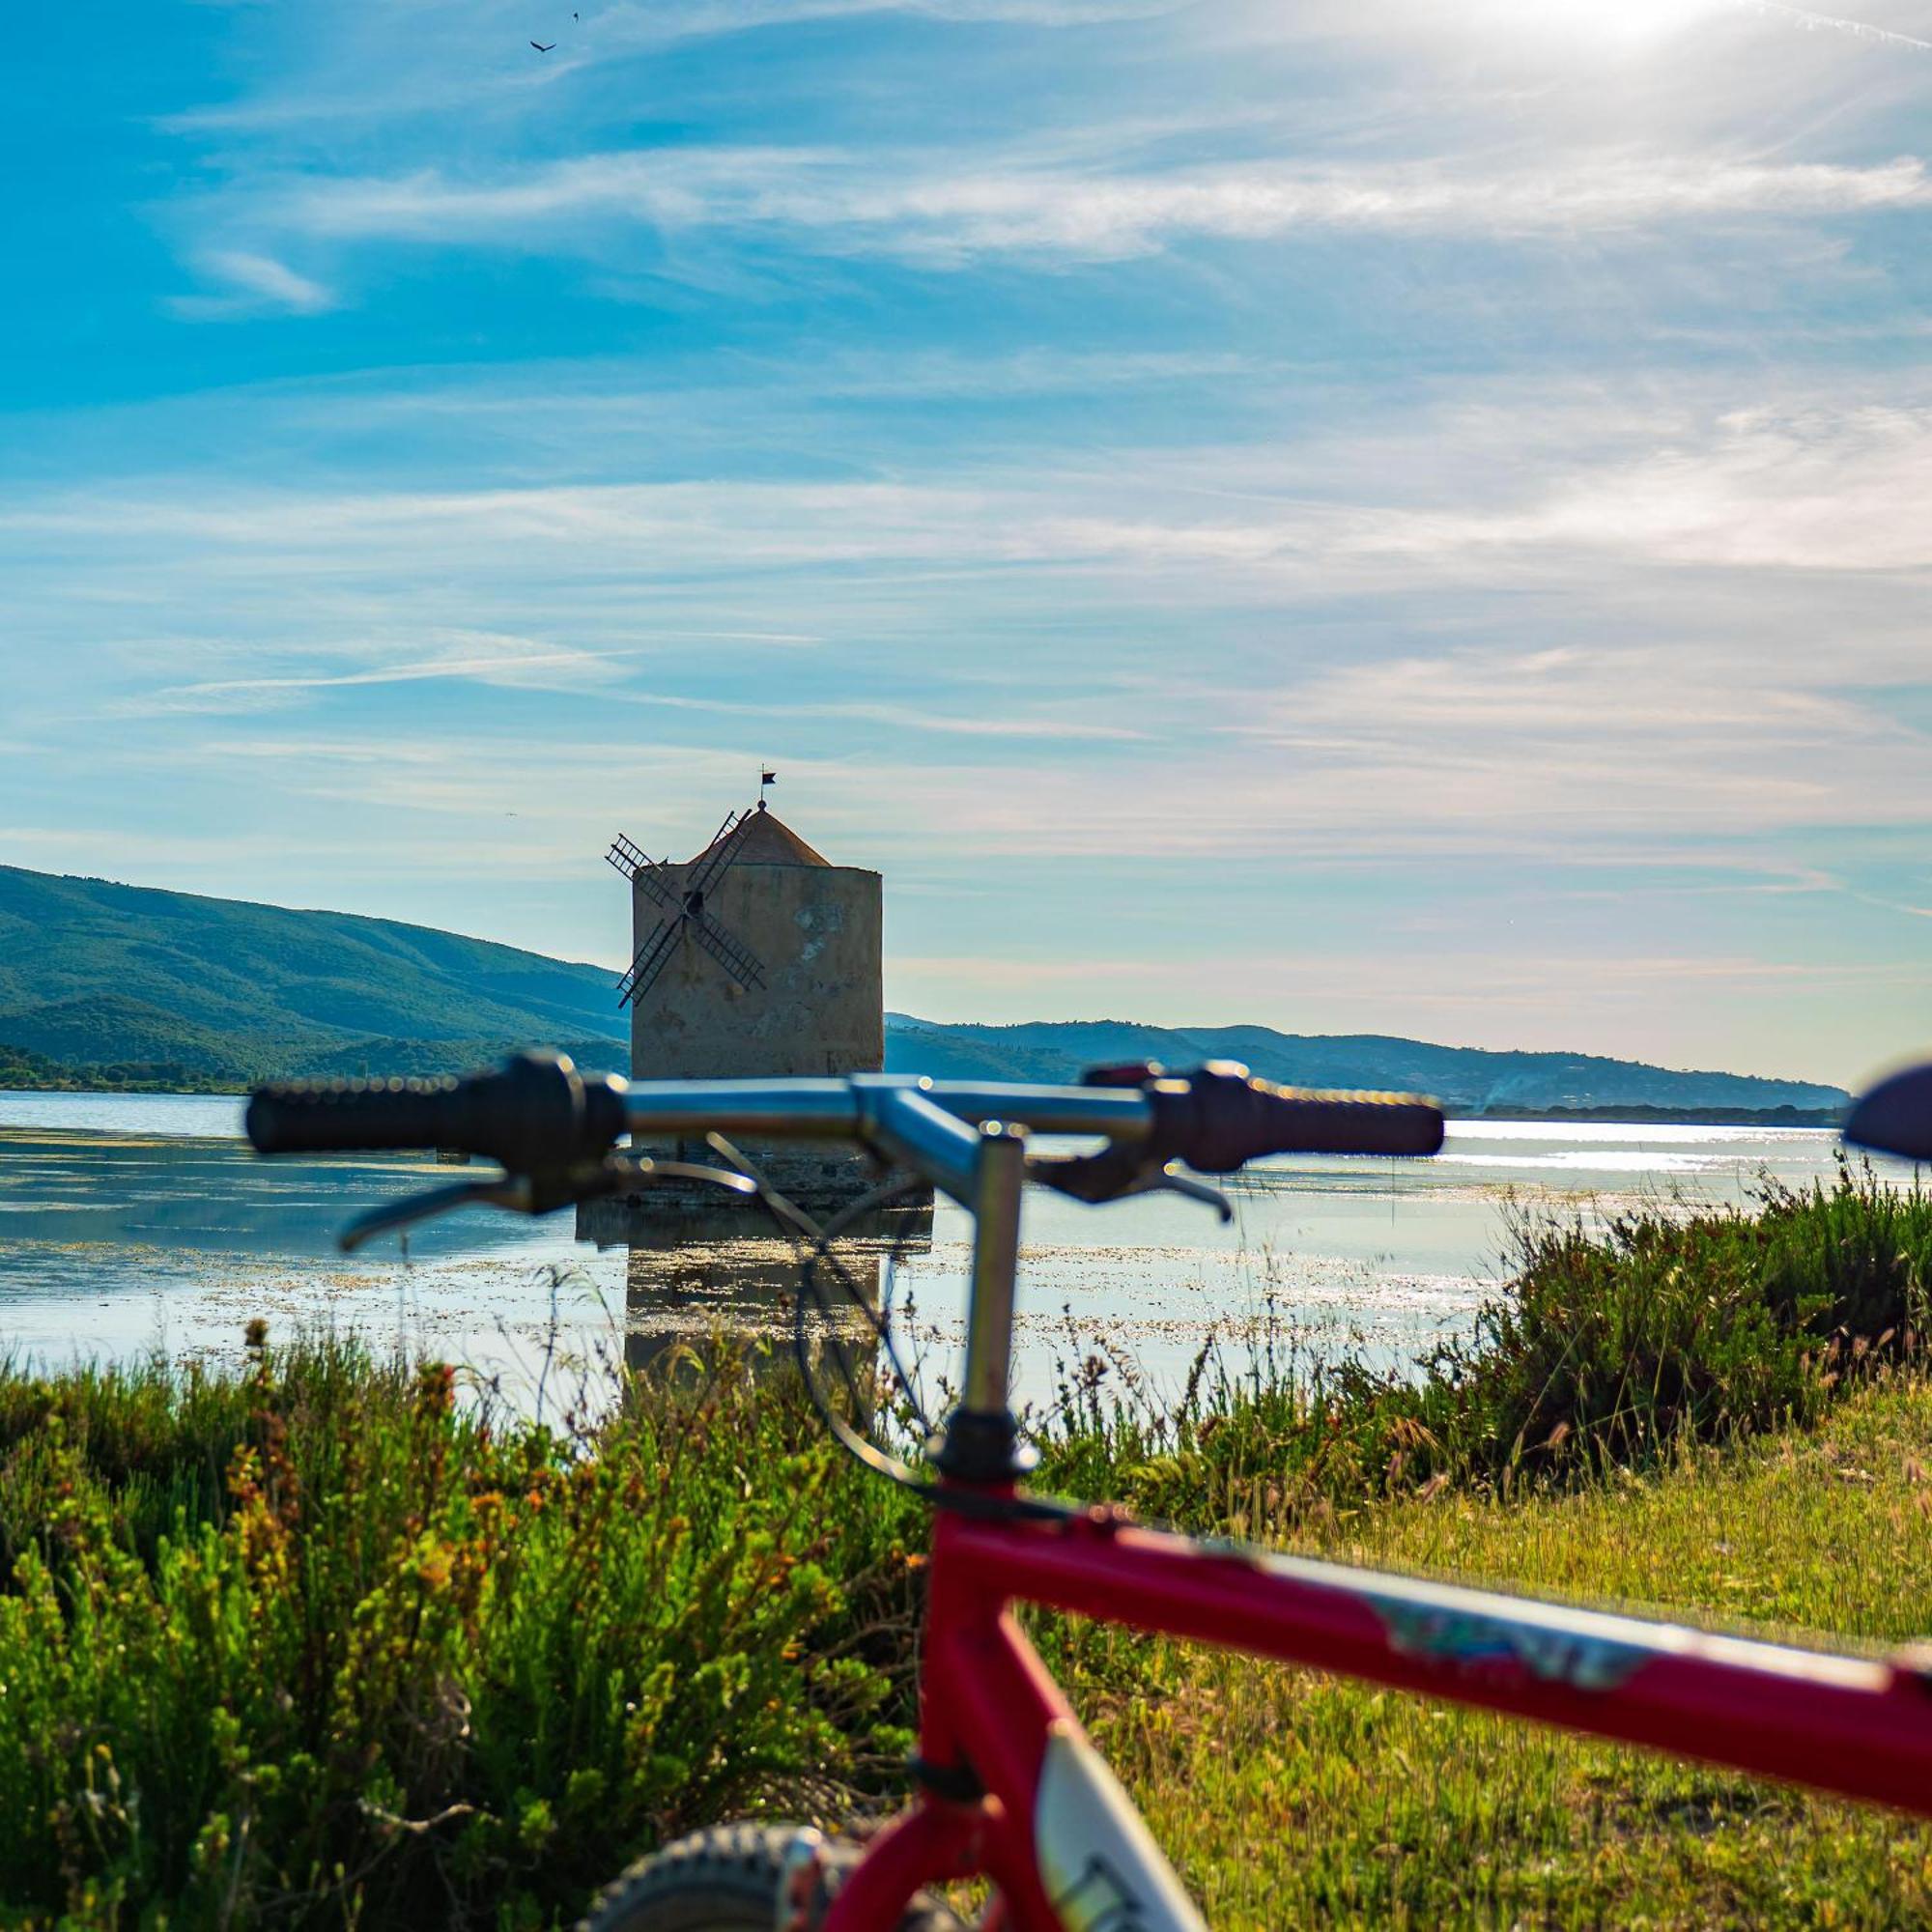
(1627, 23)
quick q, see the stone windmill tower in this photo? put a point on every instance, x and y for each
(758, 956)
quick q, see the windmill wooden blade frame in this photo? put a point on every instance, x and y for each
(641, 869)
(626, 856)
(713, 861)
(651, 958)
(685, 911)
(737, 960)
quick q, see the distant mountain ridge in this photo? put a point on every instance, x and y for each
(129, 979)
(1466, 1079)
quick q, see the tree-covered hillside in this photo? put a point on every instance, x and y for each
(98, 973)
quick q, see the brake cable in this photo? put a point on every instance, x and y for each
(817, 1250)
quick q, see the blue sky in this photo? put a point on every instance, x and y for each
(1382, 517)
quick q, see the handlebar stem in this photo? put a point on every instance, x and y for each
(982, 1445)
(996, 1255)
(983, 1168)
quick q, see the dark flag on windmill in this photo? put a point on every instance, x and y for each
(768, 778)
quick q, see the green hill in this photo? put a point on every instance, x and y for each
(118, 985)
(95, 974)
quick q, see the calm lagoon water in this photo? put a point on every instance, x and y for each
(134, 1222)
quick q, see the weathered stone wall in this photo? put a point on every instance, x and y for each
(815, 930)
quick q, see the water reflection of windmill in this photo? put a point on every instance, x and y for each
(696, 1278)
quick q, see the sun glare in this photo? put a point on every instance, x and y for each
(1615, 22)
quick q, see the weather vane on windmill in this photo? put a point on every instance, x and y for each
(766, 779)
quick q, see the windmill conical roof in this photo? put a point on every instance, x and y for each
(766, 840)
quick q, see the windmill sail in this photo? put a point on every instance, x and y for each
(685, 911)
(626, 856)
(715, 857)
(642, 869)
(652, 957)
(737, 960)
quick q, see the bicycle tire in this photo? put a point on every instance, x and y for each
(727, 1879)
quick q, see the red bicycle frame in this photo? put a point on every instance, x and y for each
(1015, 1791)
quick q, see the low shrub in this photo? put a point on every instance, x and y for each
(323, 1644)
(1600, 1351)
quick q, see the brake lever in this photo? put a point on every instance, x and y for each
(503, 1191)
(1171, 1179)
(638, 1173)
(535, 1194)
(1115, 1174)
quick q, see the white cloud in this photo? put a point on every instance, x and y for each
(951, 215)
(1860, 30)
(481, 657)
(1600, 743)
(1635, 677)
(474, 55)
(1546, 488)
(257, 284)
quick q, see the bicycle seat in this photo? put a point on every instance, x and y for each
(1895, 1116)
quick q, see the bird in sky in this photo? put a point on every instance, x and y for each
(541, 48)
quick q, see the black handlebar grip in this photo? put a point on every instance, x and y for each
(1895, 1116)
(537, 1113)
(1220, 1117)
(314, 1116)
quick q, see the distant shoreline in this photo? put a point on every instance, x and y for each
(1637, 1115)
(12, 1081)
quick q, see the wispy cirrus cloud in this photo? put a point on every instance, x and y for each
(842, 201)
(1831, 480)
(461, 54)
(251, 284)
(542, 669)
(1835, 23)
(483, 658)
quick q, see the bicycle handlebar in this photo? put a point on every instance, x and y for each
(1221, 1118)
(539, 1114)
(1895, 1116)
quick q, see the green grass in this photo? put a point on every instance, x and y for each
(1288, 1799)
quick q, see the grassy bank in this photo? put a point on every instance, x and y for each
(325, 1644)
(1290, 1800)
(1606, 1352)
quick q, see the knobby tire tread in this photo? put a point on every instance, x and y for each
(727, 1879)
